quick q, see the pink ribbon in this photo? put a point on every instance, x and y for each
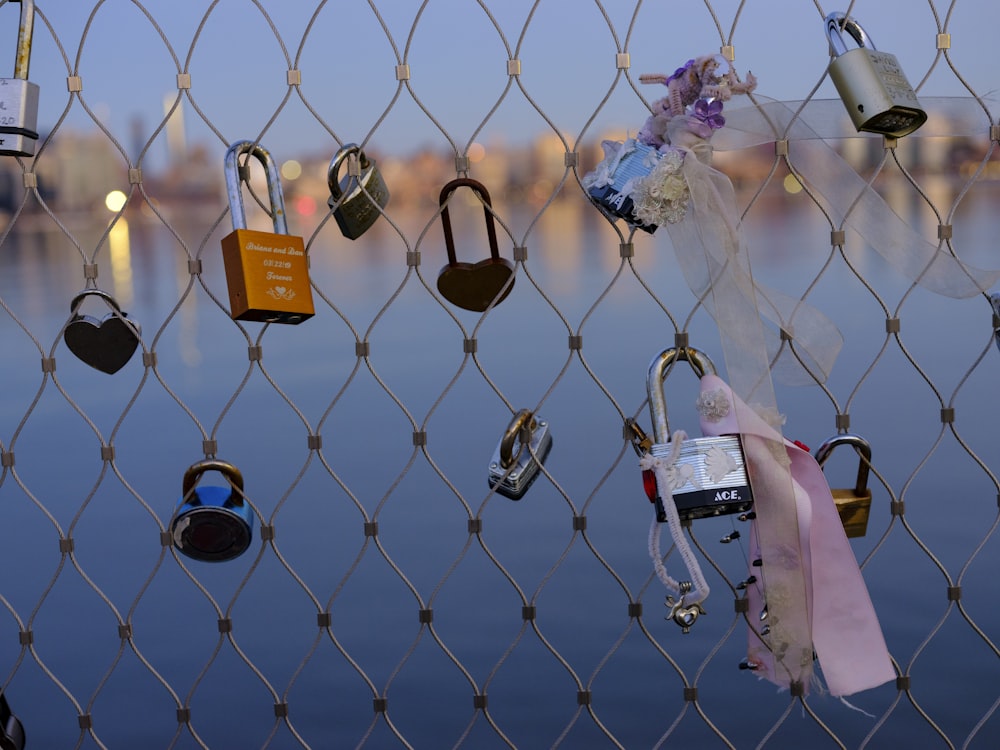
(843, 628)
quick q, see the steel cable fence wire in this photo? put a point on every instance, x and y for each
(505, 727)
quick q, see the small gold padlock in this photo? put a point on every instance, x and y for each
(872, 85)
(853, 504)
(267, 272)
(358, 198)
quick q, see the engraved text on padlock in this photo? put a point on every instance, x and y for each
(267, 272)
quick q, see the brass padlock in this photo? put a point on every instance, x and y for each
(513, 473)
(267, 272)
(710, 475)
(358, 198)
(18, 96)
(212, 523)
(872, 85)
(853, 504)
(473, 286)
(106, 344)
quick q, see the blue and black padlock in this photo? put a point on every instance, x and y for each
(212, 523)
(11, 729)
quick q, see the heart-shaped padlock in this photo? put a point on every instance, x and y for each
(106, 344)
(473, 286)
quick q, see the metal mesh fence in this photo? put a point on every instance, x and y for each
(390, 597)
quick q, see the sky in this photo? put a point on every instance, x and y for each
(128, 54)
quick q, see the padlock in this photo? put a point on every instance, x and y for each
(212, 523)
(19, 97)
(710, 472)
(611, 192)
(853, 504)
(365, 190)
(872, 85)
(105, 344)
(995, 304)
(513, 473)
(473, 286)
(267, 272)
(11, 729)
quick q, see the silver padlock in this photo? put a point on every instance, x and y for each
(710, 472)
(872, 85)
(513, 473)
(356, 199)
(19, 97)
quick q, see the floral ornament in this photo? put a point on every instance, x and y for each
(642, 180)
(713, 405)
(661, 197)
(709, 113)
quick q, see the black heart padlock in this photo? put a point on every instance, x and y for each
(106, 344)
(473, 286)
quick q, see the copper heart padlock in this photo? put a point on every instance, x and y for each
(473, 286)
(106, 344)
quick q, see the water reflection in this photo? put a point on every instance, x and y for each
(417, 379)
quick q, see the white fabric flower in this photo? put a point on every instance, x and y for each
(662, 195)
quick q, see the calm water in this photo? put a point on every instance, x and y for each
(418, 377)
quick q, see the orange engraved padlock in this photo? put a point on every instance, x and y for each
(267, 272)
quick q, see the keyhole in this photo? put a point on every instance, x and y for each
(861, 108)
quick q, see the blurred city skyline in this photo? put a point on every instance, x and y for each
(415, 75)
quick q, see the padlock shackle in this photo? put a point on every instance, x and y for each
(862, 446)
(523, 420)
(235, 189)
(333, 175)
(659, 368)
(484, 196)
(25, 32)
(230, 472)
(839, 22)
(78, 300)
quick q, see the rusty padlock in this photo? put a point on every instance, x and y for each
(358, 198)
(853, 504)
(473, 286)
(267, 272)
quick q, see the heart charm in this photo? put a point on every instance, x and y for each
(476, 286)
(683, 615)
(107, 344)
